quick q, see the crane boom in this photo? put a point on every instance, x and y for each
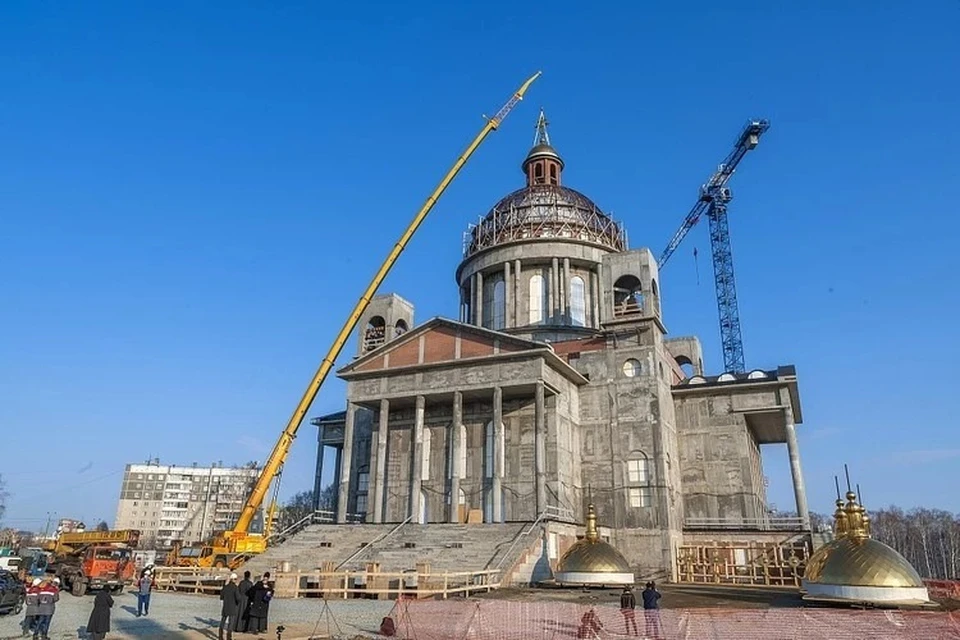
(713, 200)
(282, 447)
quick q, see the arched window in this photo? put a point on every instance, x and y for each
(553, 174)
(537, 296)
(639, 493)
(538, 173)
(425, 454)
(374, 334)
(686, 366)
(499, 305)
(656, 296)
(400, 328)
(578, 302)
(627, 297)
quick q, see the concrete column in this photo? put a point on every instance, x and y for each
(566, 290)
(518, 318)
(507, 296)
(793, 450)
(497, 454)
(416, 452)
(595, 296)
(318, 479)
(380, 475)
(346, 464)
(540, 446)
(555, 291)
(478, 302)
(471, 301)
(455, 452)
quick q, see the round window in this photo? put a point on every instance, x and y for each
(631, 368)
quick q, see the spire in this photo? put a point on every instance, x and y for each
(541, 136)
(592, 535)
(543, 165)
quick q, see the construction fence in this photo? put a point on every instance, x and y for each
(505, 620)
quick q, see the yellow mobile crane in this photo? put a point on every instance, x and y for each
(230, 548)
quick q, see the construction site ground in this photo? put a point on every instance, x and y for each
(689, 613)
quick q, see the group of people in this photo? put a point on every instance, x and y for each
(245, 605)
(591, 626)
(40, 604)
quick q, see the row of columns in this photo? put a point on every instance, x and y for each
(558, 295)
(378, 477)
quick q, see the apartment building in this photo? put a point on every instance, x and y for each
(170, 503)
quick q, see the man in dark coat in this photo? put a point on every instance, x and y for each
(651, 611)
(99, 623)
(230, 595)
(260, 595)
(243, 619)
(628, 603)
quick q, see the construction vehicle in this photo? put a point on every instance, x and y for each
(713, 201)
(238, 544)
(89, 560)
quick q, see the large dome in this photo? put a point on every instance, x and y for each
(861, 562)
(855, 568)
(542, 212)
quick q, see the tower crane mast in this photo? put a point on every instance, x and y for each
(713, 201)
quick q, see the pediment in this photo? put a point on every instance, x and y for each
(440, 340)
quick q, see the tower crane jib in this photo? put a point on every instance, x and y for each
(713, 200)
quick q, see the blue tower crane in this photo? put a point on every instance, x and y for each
(714, 198)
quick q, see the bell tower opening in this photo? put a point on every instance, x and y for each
(543, 165)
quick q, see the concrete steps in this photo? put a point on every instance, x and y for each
(446, 547)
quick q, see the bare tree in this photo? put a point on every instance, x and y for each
(3, 498)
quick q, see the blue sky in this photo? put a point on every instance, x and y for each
(193, 197)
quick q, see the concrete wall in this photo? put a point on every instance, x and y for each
(720, 461)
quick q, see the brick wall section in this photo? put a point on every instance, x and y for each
(439, 346)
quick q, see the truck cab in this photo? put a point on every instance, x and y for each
(99, 567)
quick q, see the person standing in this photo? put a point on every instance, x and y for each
(230, 596)
(46, 607)
(32, 604)
(144, 587)
(99, 623)
(243, 617)
(627, 605)
(260, 595)
(651, 611)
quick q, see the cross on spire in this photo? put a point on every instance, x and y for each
(541, 137)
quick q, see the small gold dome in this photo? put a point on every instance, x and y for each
(862, 562)
(592, 561)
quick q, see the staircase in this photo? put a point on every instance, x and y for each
(447, 548)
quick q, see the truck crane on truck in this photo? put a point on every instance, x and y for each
(88, 560)
(232, 547)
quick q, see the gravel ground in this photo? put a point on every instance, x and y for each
(189, 617)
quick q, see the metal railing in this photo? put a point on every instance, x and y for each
(315, 517)
(550, 512)
(356, 554)
(752, 524)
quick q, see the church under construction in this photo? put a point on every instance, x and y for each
(556, 386)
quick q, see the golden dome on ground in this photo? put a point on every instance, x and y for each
(592, 561)
(856, 568)
(866, 563)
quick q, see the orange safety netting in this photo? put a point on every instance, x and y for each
(505, 620)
